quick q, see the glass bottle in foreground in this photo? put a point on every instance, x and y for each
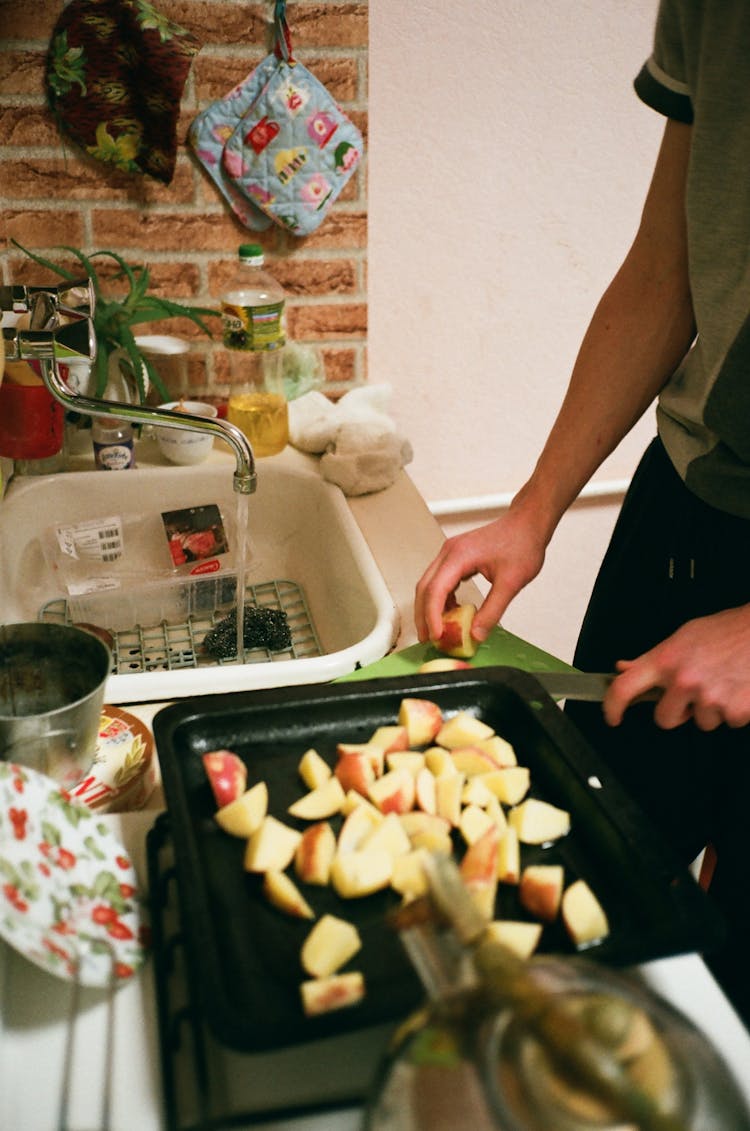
(509, 1044)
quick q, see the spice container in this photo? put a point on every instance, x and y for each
(114, 448)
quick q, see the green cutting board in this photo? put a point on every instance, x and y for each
(500, 647)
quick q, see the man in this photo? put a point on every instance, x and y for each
(671, 605)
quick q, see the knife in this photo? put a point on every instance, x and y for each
(589, 687)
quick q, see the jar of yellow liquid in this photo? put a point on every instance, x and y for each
(254, 337)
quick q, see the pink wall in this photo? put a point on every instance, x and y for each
(508, 161)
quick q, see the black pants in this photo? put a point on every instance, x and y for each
(672, 558)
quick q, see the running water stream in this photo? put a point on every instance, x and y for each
(242, 516)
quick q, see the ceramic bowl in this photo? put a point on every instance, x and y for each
(181, 446)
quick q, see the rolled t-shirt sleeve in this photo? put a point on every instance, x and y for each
(662, 81)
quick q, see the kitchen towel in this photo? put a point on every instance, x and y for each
(361, 450)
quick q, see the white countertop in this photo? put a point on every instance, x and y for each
(34, 1007)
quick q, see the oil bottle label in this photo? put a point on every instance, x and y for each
(253, 327)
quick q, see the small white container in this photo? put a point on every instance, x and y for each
(185, 447)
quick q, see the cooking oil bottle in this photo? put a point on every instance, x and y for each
(254, 335)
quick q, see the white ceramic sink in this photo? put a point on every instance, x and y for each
(301, 534)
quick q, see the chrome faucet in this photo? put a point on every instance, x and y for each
(61, 322)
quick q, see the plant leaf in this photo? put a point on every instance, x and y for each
(40, 259)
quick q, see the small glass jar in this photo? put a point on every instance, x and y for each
(114, 444)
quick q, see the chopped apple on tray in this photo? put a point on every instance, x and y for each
(322, 995)
(245, 814)
(427, 783)
(227, 775)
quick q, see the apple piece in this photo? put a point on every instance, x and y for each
(509, 785)
(409, 878)
(361, 872)
(227, 775)
(448, 791)
(499, 749)
(313, 769)
(322, 995)
(244, 815)
(479, 863)
(478, 869)
(518, 936)
(319, 803)
(395, 792)
(284, 894)
(428, 831)
(443, 664)
(329, 946)
(352, 800)
(484, 900)
(357, 826)
(411, 760)
(473, 823)
(455, 637)
(494, 809)
(417, 821)
(422, 719)
(509, 857)
(425, 791)
(462, 729)
(389, 835)
(475, 792)
(271, 846)
(314, 854)
(539, 822)
(433, 841)
(438, 761)
(390, 738)
(373, 751)
(540, 890)
(583, 915)
(470, 760)
(354, 771)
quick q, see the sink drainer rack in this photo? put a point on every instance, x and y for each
(171, 647)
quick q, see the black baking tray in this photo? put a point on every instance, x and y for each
(243, 954)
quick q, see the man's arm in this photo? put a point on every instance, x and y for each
(641, 329)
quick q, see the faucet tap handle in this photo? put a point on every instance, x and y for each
(32, 345)
(72, 295)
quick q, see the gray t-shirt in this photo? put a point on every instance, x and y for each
(699, 73)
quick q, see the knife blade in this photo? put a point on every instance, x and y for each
(588, 687)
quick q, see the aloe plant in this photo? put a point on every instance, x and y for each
(114, 318)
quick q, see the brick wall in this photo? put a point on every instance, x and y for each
(52, 194)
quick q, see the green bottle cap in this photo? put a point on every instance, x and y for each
(250, 251)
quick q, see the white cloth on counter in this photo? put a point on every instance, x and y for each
(361, 450)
